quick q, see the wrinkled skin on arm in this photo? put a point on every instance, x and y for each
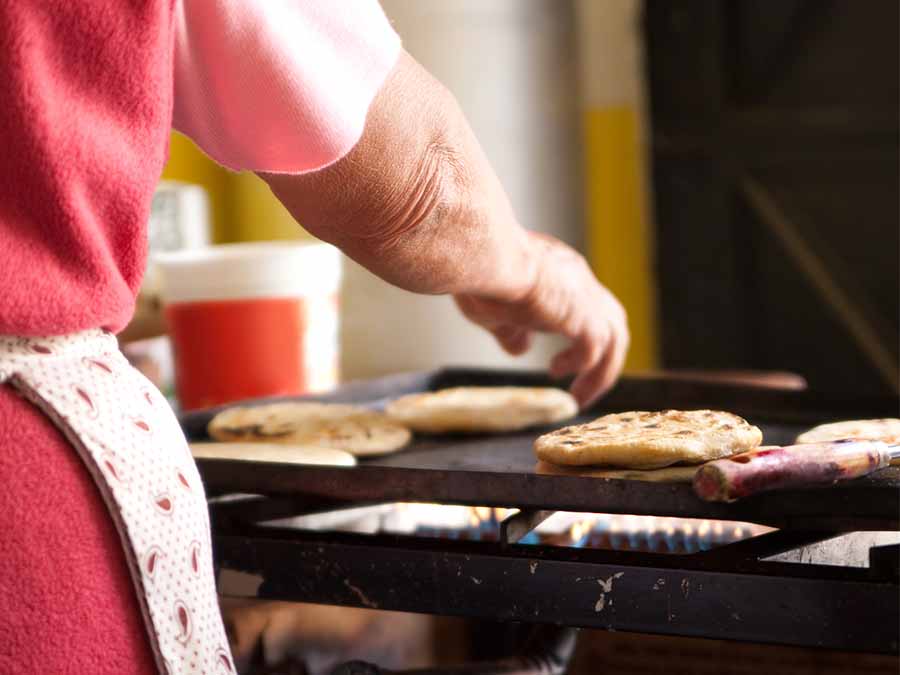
(417, 203)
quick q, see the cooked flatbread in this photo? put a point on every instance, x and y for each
(669, 474)
(482, 409)
(649, 440)
(270, 452)
(887, 430)
(359, 431)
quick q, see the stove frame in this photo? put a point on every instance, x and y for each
(713, 594)
(728, 592)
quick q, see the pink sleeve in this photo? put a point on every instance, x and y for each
(278, 85)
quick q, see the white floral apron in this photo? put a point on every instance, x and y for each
(127, 435)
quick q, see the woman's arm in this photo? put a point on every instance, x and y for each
(417, 203)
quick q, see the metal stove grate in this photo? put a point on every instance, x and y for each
(615, 532)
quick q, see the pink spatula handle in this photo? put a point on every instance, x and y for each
(774, 468)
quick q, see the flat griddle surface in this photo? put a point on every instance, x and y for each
(500, 470)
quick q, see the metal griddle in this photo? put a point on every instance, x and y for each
(500, 470)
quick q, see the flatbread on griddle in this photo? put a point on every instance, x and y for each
(886, 429)
(270, 452)
(482, 409)
(359, 431)
(649, 440)
(678, 473)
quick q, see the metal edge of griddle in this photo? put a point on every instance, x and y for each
(634, 392)
(814, 605)
(630, 393)
(845, 506)
(764, 545)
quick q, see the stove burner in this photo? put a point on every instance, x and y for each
(580, 530)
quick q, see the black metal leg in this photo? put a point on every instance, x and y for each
(765, 545)
(514, 528)
(884, 561)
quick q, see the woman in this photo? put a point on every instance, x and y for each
(106, 565)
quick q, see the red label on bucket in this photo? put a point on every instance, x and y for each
(236, 349)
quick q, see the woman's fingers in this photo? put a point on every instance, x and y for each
(596, 381)
(566, 299)
(562, 363)
(592, 383)
(584, 352)
(513, 339)
(599, 322)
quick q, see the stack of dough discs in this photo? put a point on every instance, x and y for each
(649, 440)
(886, 430)
(482, 409)
(359, 431)
(669, 474)
(270, 452)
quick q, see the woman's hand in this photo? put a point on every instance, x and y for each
(562, 297)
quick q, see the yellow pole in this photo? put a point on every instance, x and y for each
(189, 165)
(619, 235)
(257, 215)
(242, 207)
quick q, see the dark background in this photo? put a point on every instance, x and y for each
(775, 167)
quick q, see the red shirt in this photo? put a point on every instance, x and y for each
(86, 100)
(87, 106)
(84, 127)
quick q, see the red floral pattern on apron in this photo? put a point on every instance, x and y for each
(130, 440)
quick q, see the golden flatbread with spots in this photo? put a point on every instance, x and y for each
(887, 430)
(270, 452)
(482, 409)
(649, 440)
(359, 431)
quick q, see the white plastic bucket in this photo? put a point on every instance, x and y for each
(251, 320)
